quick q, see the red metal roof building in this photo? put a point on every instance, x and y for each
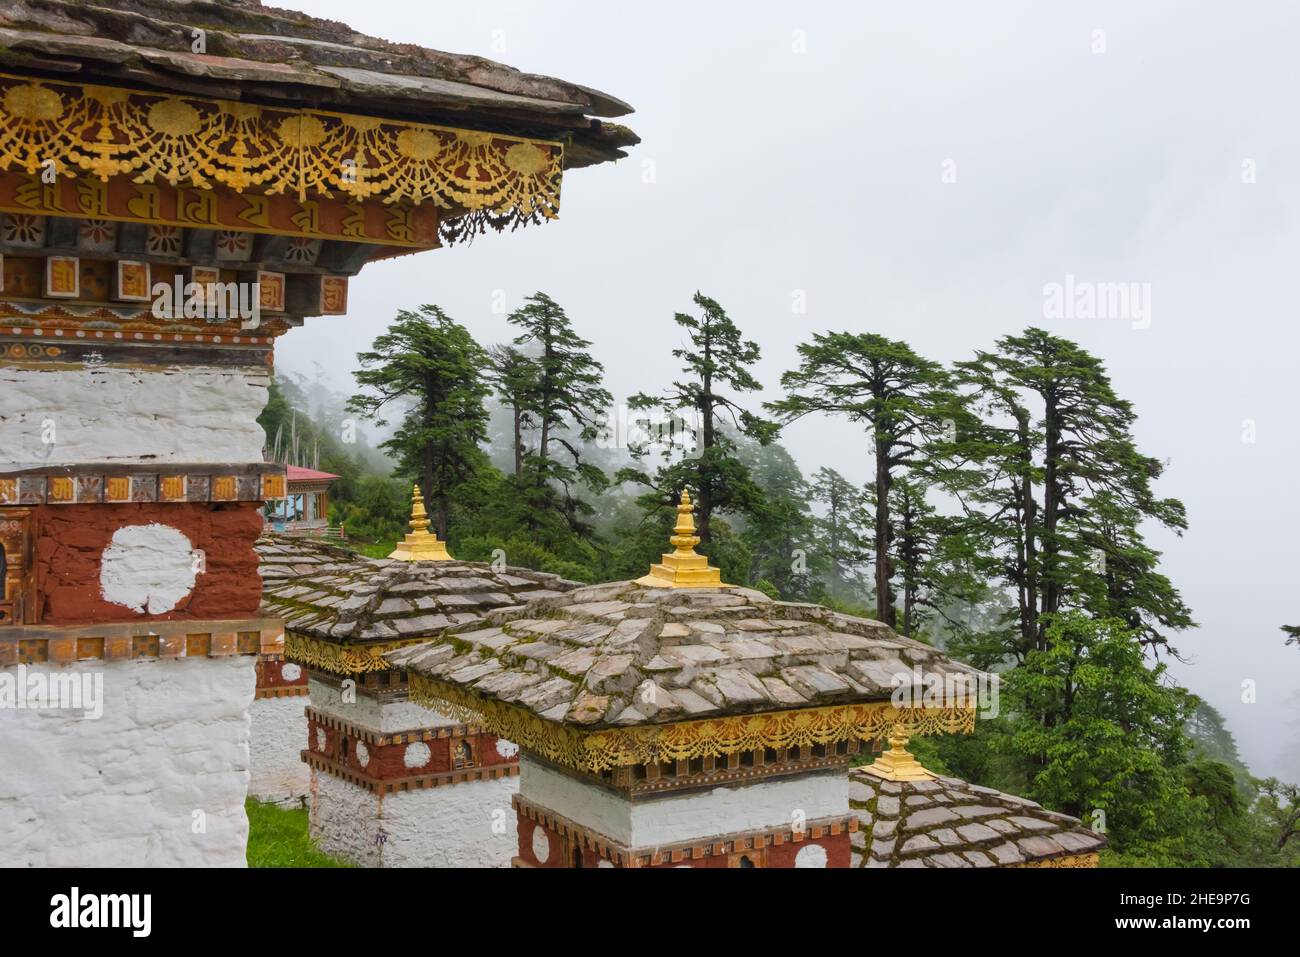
(305, 507)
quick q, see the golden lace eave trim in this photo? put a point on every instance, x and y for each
(1069, 860)
(201, 142)
(343, 660)
(608, 748)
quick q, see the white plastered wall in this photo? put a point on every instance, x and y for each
(199, 414)
(374, 714)
(279, 734)
(470, 824)
(467, 824)
(158, 780)
(674, 818)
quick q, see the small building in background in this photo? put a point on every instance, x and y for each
(678, 721)
(305, 508)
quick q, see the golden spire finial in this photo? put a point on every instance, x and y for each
(420, 544)
(419, 517)
(684, 536)
(683, 568)
(898, 764)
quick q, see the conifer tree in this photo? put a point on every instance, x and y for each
(843, 532)
(716, 364)
(1057, 491)
(431, 370)
(514, 375)
(780, 533)
(561, 391)
(918, 535)
(904, 400)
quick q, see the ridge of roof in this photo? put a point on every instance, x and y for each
(326, 592)
(625, 654)
(270, 53)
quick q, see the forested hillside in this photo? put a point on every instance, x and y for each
(1005, 519)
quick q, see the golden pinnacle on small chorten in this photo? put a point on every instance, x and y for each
(683, 568)
(420, 544)
(898, 764)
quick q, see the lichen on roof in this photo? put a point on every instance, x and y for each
(625, 654)
(948, 822)
(328, 593)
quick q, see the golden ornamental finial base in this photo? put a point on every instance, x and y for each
(898, 764)
(682, 567)
(426, 547)
(662, 576)
(420, 544)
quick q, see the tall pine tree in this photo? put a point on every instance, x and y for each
(431, 370)
(906, 402)
(716, 363)
(1057, 491)
(514, 375)
(843, 532)
(780, 534)
(563, 395)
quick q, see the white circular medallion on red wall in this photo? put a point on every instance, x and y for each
(541, 845)
(416, 755)
(148, 568)
(811, 855)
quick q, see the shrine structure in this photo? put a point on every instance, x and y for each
(180, 184)
(909, 817)
(679, 721)
(391, 783)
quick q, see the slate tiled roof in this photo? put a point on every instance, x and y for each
(627, 654)
(327, 592)
(265, 54)
(950, 823)
(296, 473)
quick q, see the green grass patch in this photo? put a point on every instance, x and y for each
(277, 837)
(375, 550)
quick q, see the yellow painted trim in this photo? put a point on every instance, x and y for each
(341, 659)
(646, 744)
(199, 141)
(1072, 860)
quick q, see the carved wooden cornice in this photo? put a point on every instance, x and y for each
(601, 750)
(413, 782)
(723, 845)
(496, 179)
(342, 660)
(145, 640)
(121, 484)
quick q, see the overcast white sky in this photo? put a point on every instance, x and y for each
(766, 172)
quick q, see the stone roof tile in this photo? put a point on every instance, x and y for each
(714, 650)
(983, 827)
(329, 593)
